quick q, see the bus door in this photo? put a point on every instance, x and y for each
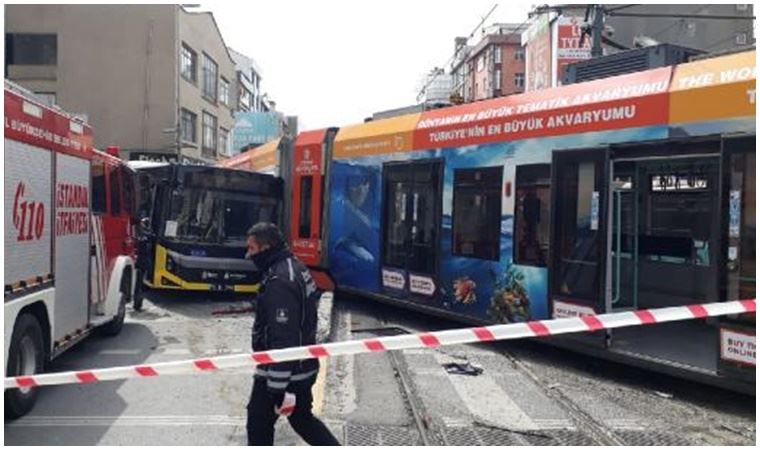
(411, 228)
(578, 232)
(738, 262)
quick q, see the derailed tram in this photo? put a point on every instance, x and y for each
(624, 193)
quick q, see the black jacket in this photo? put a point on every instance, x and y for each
(286, 316)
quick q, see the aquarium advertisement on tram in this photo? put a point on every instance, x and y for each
(497, 290)
(432, 208)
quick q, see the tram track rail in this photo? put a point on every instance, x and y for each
(587, 419)
(583, 421)
(422, 421)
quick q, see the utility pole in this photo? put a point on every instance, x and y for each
(597, 27)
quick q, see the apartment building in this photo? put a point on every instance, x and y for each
(156, 80)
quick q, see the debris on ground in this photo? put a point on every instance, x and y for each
(663, 394)
(466, 368)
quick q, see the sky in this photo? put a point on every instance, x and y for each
(333, 63)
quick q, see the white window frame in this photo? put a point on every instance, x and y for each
(224, 91)
(193, 56)
(521, 77)
(208, 64)
(210, 134)
(186, 113)
(224, 141)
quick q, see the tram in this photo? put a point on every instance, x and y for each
(629, 192)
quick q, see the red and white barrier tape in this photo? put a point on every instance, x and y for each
(407, 341)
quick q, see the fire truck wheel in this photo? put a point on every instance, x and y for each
(26, 356)
(113, 327)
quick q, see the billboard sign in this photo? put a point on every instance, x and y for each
(255, 128)
(568, 44)
(537, 41)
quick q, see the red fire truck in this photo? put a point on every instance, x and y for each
(68, 239)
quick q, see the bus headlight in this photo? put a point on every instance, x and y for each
(171, 264)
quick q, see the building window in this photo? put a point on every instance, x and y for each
(741, 38)
(520, 54)
(189, 69)
(224, 92)
(497, 79)
(210, 74)
(477, 212)
(224, 141)
(245, 99)
(497, 55)
(31, 49)
(209, 133)
(48, 98)
(481, 62)
(520, 80)
(531, 219)
(188, 125)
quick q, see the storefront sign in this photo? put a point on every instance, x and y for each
(166, 158)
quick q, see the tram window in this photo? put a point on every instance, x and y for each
(477, 212)
(577, 250)
(679, 211)
(531, 219)
(741, 253)
(678, 183)
(304, 210)
(98, 187)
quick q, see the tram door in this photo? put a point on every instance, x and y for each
(624, 245)
(411, 228)
(664, 241)
(579, 232)
(739, 257)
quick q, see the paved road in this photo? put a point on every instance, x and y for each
(172, 410)
(534, 396)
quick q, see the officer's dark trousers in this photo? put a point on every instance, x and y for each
(261, 415)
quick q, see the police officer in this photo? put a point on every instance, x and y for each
(286, 316)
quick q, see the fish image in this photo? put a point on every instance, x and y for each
(464, 290)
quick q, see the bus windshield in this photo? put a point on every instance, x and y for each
(215, 208)
(215, 216)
